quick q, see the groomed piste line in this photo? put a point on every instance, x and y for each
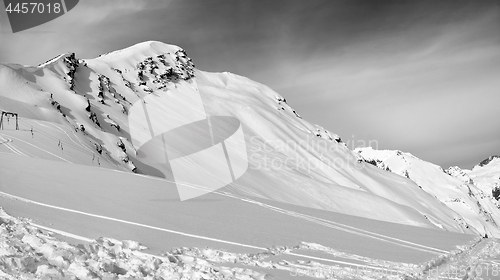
(329, 223)
(183, 233)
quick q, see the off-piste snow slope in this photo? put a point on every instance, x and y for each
(469, 193)
(72, 167)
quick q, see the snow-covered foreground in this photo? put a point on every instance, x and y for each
(267, 237)
(30, 251)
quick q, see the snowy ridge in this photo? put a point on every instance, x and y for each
(454, 187)
(50, 61)
(488, 160)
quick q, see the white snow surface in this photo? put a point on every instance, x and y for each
(291, 160)
(74, 156)
(467, 193)
(31, 251)
(28, 252)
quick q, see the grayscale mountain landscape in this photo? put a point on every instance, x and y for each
(136, 164)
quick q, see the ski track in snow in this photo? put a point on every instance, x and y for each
(324, 222)
(76, 146)
(320, 221)
(179, 232)
(82, 238)
(331, 224)
(327, 223)
(57, 128)
(347, 228)
(54, 126)
(7, 142)
(41, 149)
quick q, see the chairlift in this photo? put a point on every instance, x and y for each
(8, 115)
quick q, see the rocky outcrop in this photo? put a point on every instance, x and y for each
(457, 172)
(488, 160)
(72, 64)
(156, 73)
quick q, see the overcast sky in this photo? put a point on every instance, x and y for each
(418, 76)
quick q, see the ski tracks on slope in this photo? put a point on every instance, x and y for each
(332, 224)
(184, 233)
(320, 221)
(50, 153)
(350, 229)
(7, 142)
(55, 127)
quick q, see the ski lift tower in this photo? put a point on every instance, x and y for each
(8, 115)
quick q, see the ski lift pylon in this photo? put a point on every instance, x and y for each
(9, 114)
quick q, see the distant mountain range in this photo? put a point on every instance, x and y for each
(471, 193)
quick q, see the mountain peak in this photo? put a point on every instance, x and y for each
(140, 51)
(61, 57)
(488, 160)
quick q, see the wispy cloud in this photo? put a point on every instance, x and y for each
(86, 30)
(417, 90)
(418, 76)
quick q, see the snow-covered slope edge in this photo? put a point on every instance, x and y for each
(468, 193)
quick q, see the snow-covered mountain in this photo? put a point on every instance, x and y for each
(73, 166)
(468, 193)
(291, 160)
(486, 175)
